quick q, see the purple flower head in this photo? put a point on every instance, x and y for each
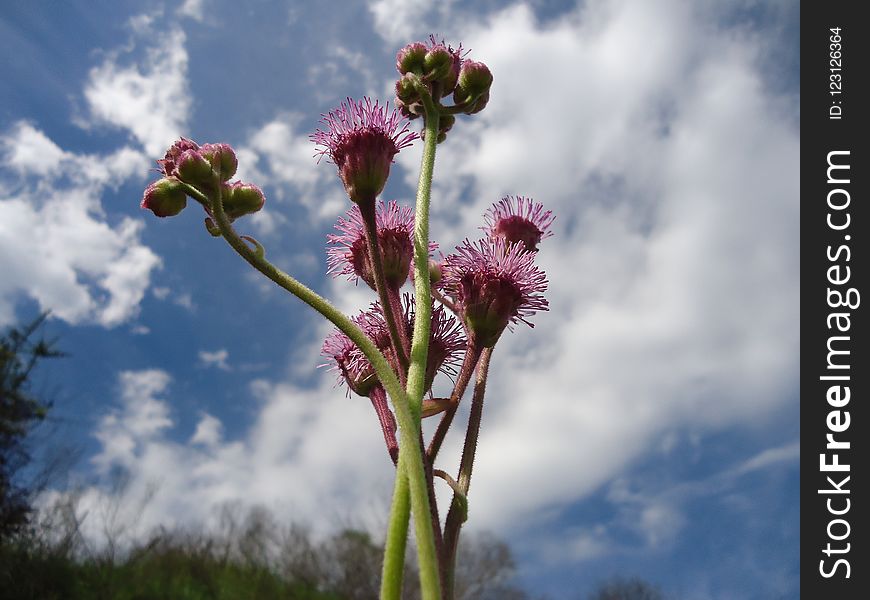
(494, 285)
(351, 365)
(362, 138)
(519, 220)
(446, 343)
(446, 340)
(348, 253)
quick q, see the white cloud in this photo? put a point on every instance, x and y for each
(29, 150)
(195, 9)
(209, 431)
(289, 460)
(148, 98)
(125, 433)
(217, 359)
(57, 247)
(402, 21)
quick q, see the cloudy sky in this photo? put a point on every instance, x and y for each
(647, 426)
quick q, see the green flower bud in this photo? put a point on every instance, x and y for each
(165, 197)
(438, 63)
(222, 159)
(193, 168)
(410, 59)
(475, 78)
(479, 104)
(405, 90)
(241, 199)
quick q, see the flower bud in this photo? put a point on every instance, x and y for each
(446, 123)
(192, 167)
(475, 79)
(165, 198)
(405, 90)
(212, 227)
(438, 63)
(222, 159)
(410, 59)
(479, 104)
(242, 199)
(434, 271)
(169, 160)
(449, 82)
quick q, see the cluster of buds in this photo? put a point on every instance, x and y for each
(201, 172)
(438, 70)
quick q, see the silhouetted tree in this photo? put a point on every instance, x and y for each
(19, 413)
(620, 588)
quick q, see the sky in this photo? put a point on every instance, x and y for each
(647, 426)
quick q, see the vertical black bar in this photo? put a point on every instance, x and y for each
(835, 225)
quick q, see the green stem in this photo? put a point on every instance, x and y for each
(422, 292)
(397, 536)
(408, 424)
(458, 507)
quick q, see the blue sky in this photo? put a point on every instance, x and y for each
(647, 426)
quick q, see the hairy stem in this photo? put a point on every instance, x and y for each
(422, 292)
(472, 354)
(408, 419)
(458, 509)
(397, 536)
(369, 218)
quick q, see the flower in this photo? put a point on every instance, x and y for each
(353, 368)
(446, 339)
(526, 222)
(348, 253)
(494, 285)
(362, 138)
(446, 342)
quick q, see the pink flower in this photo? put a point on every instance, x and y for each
(494, 285)
(362, 138)
(446, 343)
(348, 253)
(526, 222)
(351, 365)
